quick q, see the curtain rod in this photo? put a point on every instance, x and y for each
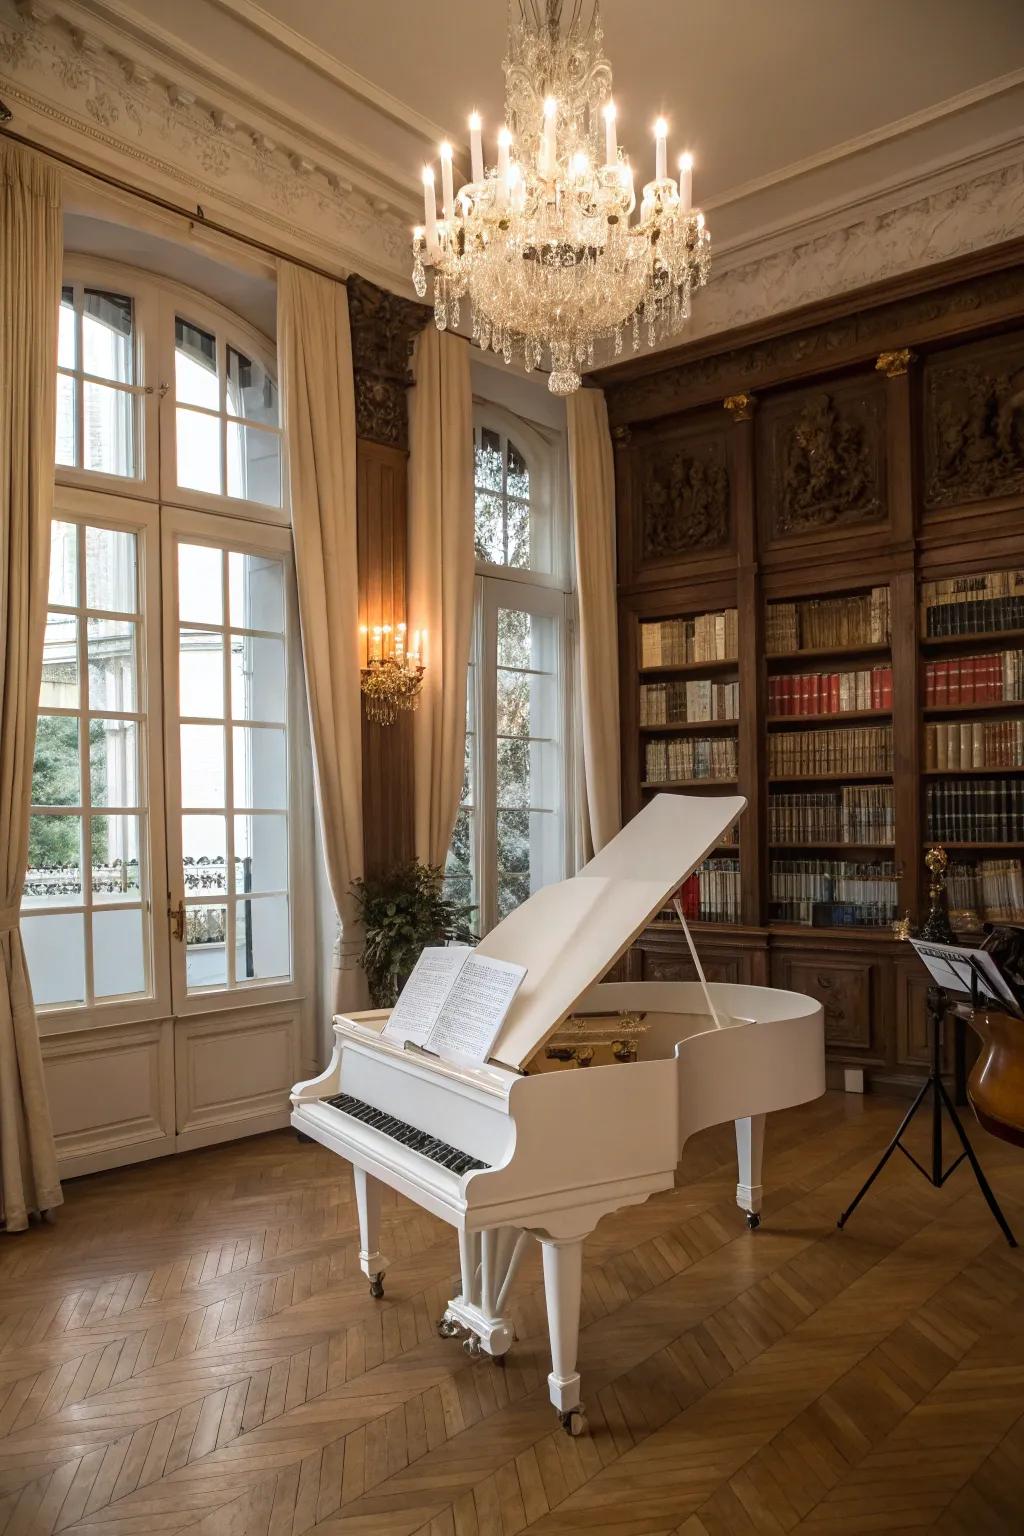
(193, 215)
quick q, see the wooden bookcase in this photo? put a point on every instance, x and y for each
(875, 446)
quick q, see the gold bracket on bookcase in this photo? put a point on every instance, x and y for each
(740, 407)
(895, 364)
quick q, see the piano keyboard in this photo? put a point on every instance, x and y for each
(409, 1136)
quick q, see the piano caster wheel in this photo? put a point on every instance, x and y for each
(574, 1422)
(376, 1286)
(753, 1220)
(447, 1328)
(472, 1345)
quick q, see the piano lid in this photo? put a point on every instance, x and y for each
(569, 934)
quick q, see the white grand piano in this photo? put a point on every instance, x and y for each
(508, 1155)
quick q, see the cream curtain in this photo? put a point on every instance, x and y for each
(592, 474)
(315, 361)
(441, 574)
(30, 263)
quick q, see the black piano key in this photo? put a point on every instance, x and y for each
(452, 1158)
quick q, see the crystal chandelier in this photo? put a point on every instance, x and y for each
(544, 244)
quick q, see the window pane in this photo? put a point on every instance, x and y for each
(56, 771)
(198, 451)
(513, 638)
(488, 460)
(261, 939)
(107, 335)
(108, 430)
(257, 678)
(110, 570)
(254, 464)
(111, 645)
(256, 591)
(116, 872)
(204, 851)
(59, 685)
(55, 950)
(490, 534)
(459, 861)
(64, 563)
(202, 765)
(512, 892)
(118, 955)
(517, 533)
(67, 420)
(54, 862)
(200, 584)
(261, 853)
(513, 773)
(513, 842)
(252, 393)
(206, 962)
(260, 775)
(67, 336)
(195, 368)
(201, 673)
(114, 762)
(518, 480)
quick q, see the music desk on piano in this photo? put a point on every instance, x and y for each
(508, 1156)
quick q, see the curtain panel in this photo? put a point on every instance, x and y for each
(315, 363)
(441, 577)
(592, 475)
(31, 241)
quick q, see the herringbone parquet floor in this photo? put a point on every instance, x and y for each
(192, 1348)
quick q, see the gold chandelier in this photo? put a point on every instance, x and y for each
(391, 676)
(543, 244)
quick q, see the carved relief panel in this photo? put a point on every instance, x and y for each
(679, 489)
(821, 460)
(974, 422)
(844, 989)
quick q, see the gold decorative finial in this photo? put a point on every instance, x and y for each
(740, 407)
(894, 364)
(902, 928)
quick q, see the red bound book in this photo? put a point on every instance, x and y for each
(833, 692)
(953, 687)
(805, 695)
(784, 696)
(773, 696)
(995, 676)
(814, 696)
(887, 687)
(941, 683)
(929, 683)
(876, 687)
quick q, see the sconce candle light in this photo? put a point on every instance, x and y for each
(392, 672)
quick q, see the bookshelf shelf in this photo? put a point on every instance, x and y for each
(988, 771)
(836, 847)
(692, 668)
(979, 707)
(827, 653)
(829, 778)
(992, 637)
(687, 783)
(841, 717)
(840, 931)
(688, 727)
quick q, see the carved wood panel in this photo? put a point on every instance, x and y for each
(821, 459)
(844, 989)
(974, 422)
(664, 964)
(678, 487)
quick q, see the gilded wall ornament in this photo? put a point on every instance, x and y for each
(686, 499)
(820, 459)
(974, 424)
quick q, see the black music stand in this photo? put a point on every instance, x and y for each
(972, 977)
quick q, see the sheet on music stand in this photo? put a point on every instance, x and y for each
(969, 973)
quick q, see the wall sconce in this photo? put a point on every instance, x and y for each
(392, 673)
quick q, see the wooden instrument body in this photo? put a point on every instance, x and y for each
(996, 1084)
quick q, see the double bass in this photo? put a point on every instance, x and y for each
(996, 1084)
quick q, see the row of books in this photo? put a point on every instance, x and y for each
(857, 813)
(974, 679)
(674, 642)
(992, 890)
(676, 701)
(711, 894)
(830, 693)
(971, 605)
(975, 811)
(686, 757)
(974, 744)
(830, 893)
(855, 749)
(828, 622)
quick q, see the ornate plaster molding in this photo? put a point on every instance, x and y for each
(131, 115)
(384, 329)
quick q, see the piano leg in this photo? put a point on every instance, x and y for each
(371, 1261)
(750, 1155)
(563, 1277)
(488, 1261)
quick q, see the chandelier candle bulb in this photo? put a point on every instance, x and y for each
(611, 148)
(660, 150)
(685, 183)
(476, 147)
(447, 187)
(429, 209)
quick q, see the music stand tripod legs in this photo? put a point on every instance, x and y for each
(938, 1003)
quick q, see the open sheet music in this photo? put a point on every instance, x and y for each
(455, 1002)
(970, 973)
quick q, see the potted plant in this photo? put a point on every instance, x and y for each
(402, 912)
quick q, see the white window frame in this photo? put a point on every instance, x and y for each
(546, 594)
(153, 503)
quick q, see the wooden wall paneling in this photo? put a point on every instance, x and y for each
(233, 1073)
(750, 610)
(111, 1094)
